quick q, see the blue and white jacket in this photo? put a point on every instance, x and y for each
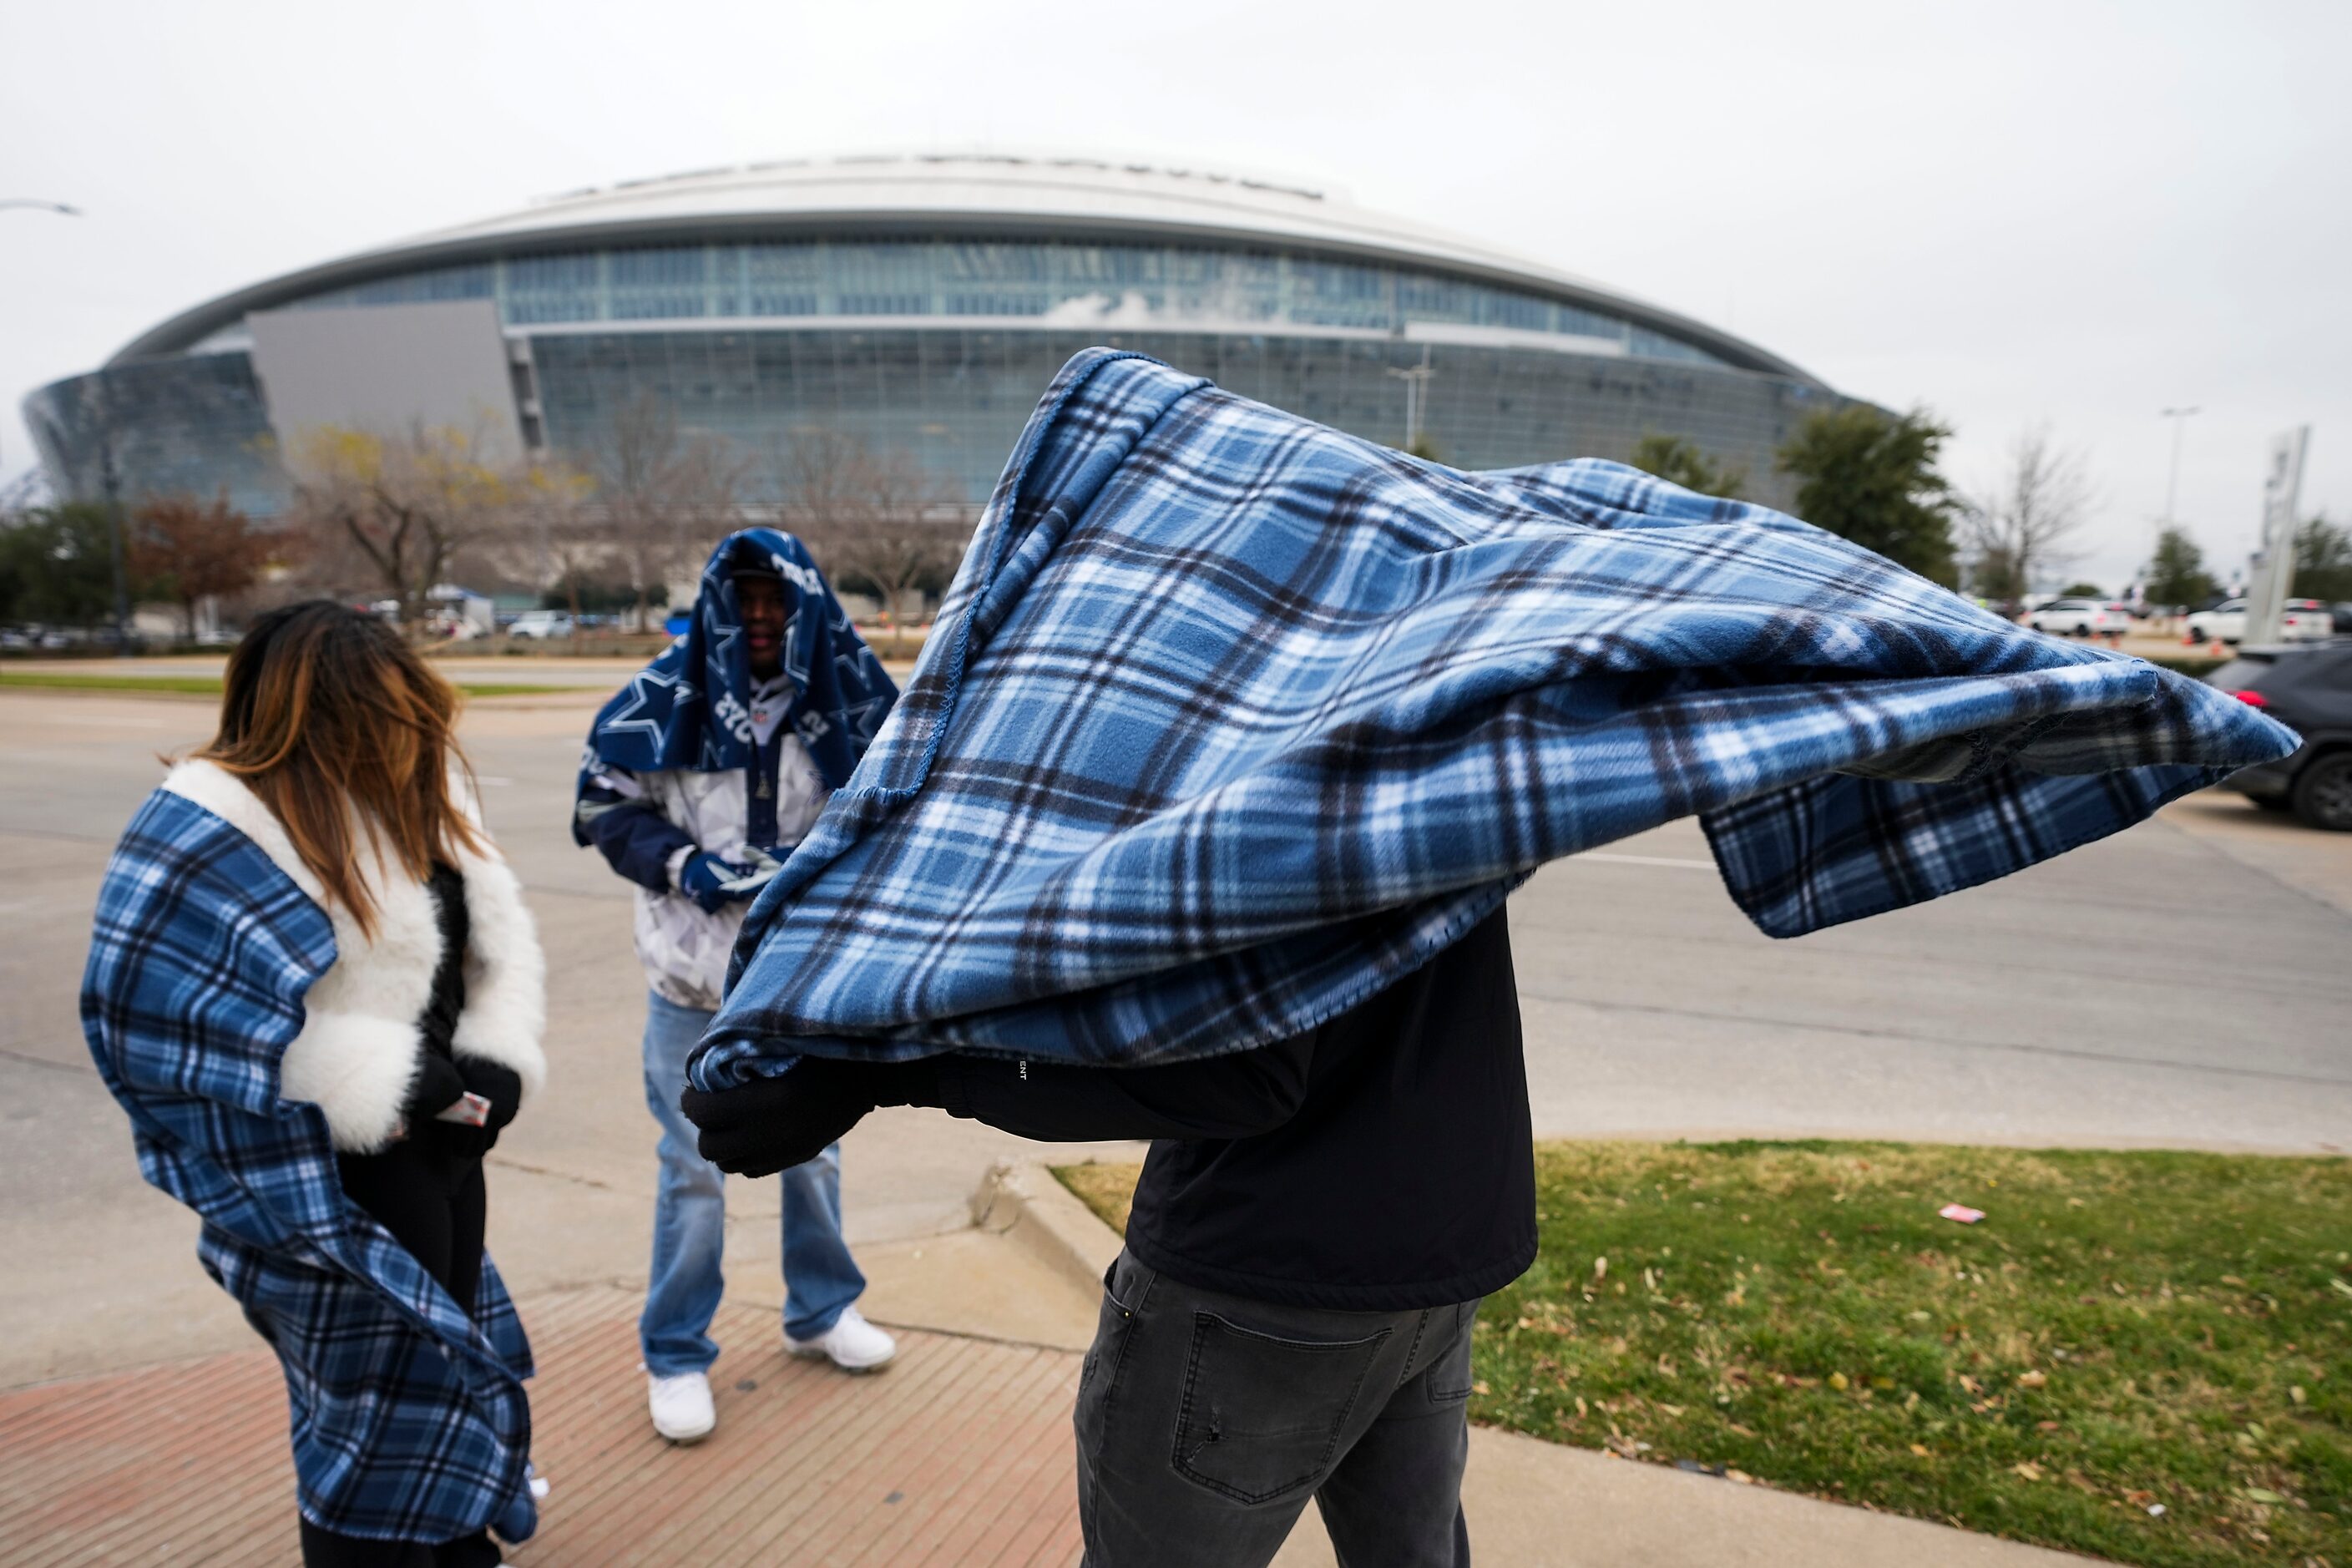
(695, 754)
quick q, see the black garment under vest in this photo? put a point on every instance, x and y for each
(1381, 1162)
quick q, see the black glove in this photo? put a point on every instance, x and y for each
(494, 1083)
(436, 1089)
(773, 1123)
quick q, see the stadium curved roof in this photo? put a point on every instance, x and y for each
(994, 194)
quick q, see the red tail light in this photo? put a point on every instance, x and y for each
(2252, 699)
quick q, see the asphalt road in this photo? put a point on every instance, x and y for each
(2187, 984)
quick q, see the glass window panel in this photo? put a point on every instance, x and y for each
(655, 283)
(553, 288)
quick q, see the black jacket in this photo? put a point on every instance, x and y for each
(1381, 1162)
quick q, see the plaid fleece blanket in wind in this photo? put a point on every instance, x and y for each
(1230, 720)
(409, 1417)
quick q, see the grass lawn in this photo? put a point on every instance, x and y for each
(2122, 1332)
(209, 685)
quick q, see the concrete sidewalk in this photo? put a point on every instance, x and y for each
(960, 1453)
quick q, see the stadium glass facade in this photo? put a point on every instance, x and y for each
(939, 343)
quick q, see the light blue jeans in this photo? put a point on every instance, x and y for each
(690, 1221)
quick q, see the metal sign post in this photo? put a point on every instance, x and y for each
(2274, 576)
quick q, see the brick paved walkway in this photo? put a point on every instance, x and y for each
(960, 1453)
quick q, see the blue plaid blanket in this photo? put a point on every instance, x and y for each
(1230, 720)
(690, 708)
(409, 1417)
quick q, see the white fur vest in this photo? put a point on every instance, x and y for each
(360, 1047)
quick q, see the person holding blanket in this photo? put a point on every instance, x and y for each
(700, 776)
(315, 987)
(1314, 1227)
(1198, 819)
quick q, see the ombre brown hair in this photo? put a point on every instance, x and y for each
(347, 736)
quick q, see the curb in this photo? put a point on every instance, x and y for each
(1024, 1202)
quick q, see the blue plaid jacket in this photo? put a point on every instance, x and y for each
(1230, 720)
(409, 1416)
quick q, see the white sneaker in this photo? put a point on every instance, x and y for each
(852, 1343)
(681, 1406)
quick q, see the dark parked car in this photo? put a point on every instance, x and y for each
(2308, 688)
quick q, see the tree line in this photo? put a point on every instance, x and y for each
(1871, 476)
(390, 518)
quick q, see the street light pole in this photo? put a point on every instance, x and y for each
(109, 480)
(2179, 416)
(1416, 381)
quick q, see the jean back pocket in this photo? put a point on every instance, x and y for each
(1261, 1415)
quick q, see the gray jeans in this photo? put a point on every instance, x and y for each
(1206, 1421)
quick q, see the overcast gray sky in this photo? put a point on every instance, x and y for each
(2069, 212)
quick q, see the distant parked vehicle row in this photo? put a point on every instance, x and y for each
(2308, 620)
(48, 639)
(2309, 689)
(2081, 618)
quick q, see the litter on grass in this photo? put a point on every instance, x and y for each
(1962, 1213)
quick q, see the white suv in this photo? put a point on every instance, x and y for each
(2080, 619)
(2308, 620)
(540, 624)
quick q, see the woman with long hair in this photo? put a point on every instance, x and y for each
(315, 987)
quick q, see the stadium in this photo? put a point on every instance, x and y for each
(918, 304)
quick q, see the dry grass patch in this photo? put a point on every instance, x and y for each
(2143, 1355)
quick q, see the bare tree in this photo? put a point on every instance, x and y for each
(2023, 527)
(399, 509)
(879, 522)
(664, 495)
(558, 537)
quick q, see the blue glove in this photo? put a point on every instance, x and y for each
(714, 883)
